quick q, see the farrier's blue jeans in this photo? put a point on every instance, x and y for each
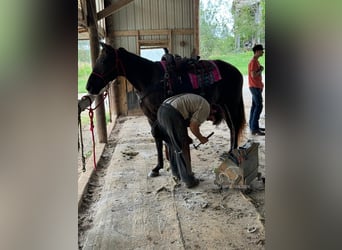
(255, 109)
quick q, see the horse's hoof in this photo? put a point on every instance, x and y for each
(153, 174)
(192, 183)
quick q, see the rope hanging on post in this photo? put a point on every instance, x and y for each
(91, 116)
(80, 138)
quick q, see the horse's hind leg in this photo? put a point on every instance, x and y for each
(160, 165)
(230, 123)
(173, 163)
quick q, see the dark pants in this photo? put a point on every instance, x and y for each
(173, 125)
(255, 109)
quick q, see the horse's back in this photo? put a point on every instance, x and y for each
(229, 72)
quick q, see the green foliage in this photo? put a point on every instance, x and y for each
(84, 70)
(261, 27)
(215, 35)
(221, 33)
(244, 23)
(84, 65)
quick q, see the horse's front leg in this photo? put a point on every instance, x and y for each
(159, 145)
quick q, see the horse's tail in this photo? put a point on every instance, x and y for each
(241, 122)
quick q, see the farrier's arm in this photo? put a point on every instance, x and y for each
(194, 127)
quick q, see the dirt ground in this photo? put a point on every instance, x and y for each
(125, 209)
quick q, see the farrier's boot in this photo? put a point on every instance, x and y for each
(173, 162)
(190, 181)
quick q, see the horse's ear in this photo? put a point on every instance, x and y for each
(106, 47)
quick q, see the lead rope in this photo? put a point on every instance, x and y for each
(80, 138)
(91, 116)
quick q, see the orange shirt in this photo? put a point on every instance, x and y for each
(255, 82)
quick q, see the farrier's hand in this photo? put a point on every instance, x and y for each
(203, 139)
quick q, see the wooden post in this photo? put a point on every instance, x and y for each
(112, 100)
(196, 26)
(111, 89)
(94, 52)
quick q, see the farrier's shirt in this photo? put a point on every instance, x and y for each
(255, 82)
(191, 106)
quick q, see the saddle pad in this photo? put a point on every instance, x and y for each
(206, 74)
(202, 74)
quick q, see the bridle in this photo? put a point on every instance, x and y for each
(118, 65)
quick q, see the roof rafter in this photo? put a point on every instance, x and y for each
(112, 8)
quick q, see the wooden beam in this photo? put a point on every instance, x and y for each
(94, 53)
(125, 33)
(153, 32)
(170, 40)
(80, 15)
(153, 42)
(112, 8)
(83, 36)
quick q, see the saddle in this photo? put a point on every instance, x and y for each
(185, 73)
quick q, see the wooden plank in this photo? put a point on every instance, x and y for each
(125, 33)
(122, 95)
(112, 8)
(152, 32)
(83, 36)
(81, 16)
(170, 40)
(153, 42)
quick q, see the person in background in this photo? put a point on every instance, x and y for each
(174, 116)
(256, 87)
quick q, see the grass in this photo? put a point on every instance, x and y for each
(239, 60)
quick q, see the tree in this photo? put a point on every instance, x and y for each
(221, 33)
(249, 22)
(215, 35)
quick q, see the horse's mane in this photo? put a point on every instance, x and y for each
(133, 57)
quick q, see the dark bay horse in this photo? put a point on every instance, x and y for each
(148, 78)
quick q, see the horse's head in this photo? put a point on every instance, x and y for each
(104, 71)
